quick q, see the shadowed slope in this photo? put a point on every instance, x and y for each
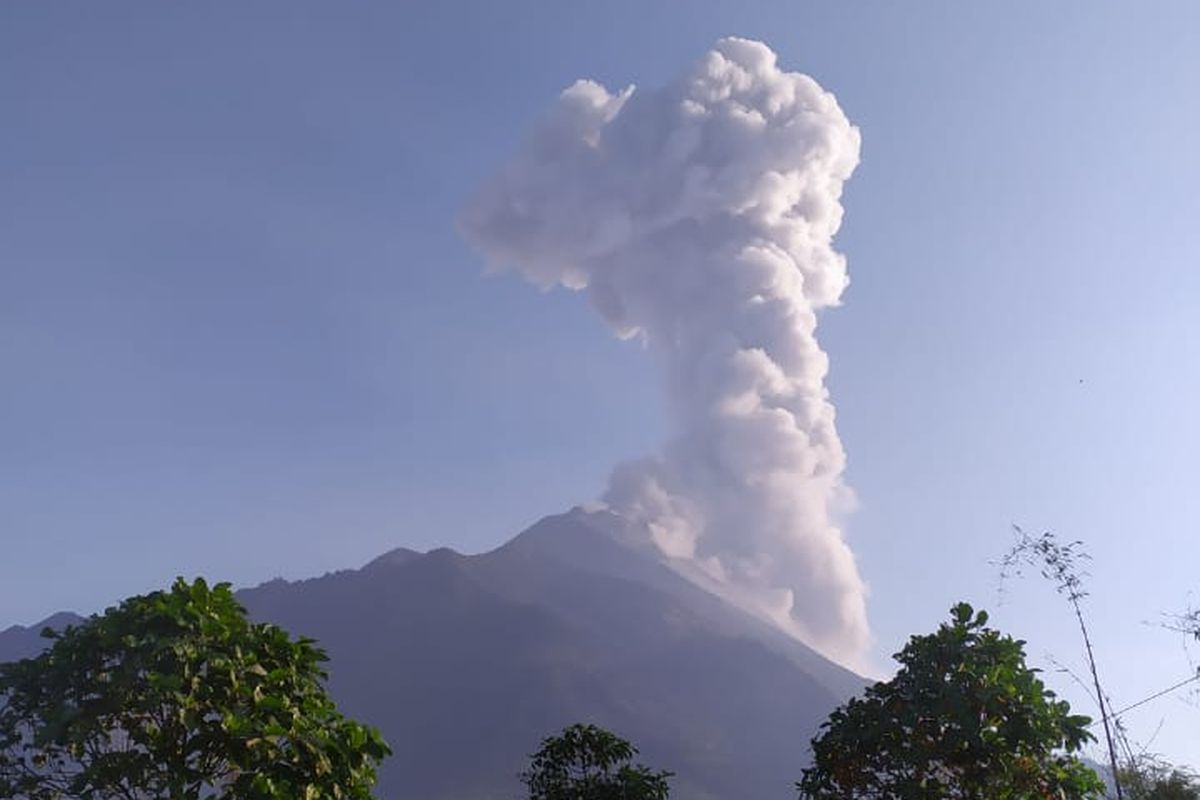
(466, 662)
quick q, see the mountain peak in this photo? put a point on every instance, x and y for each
(393, 558)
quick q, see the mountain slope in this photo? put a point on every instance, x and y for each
(465, 662)
(20, 642)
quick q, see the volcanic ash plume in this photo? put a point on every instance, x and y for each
(699, 218)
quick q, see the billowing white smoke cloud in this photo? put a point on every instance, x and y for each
(700, 218)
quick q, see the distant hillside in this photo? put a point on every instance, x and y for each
(465, 662)
(19, 642)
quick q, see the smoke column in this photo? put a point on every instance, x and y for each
(700, 218)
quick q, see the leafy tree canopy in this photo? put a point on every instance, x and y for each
(963, 718)
(585, 762)
(1148, 778)
(176, 694)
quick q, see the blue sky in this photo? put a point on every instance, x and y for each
(241, 337)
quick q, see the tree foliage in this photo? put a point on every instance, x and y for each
(176, 694)
(963, 718)
(585, 762)
(1149, 778)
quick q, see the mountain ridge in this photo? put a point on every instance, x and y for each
(466, 661)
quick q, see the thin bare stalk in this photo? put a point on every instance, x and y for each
(1108, 737)
(1059, 563)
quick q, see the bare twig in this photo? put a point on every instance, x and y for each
(1060, 563)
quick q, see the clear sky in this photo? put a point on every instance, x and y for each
(240, 336)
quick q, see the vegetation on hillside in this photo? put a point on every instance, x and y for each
(1149, 778)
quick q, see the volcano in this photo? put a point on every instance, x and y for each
(466, 661)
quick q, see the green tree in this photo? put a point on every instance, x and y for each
(585, 762)
(176, 694)
(1149, 778)
(963, 718)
